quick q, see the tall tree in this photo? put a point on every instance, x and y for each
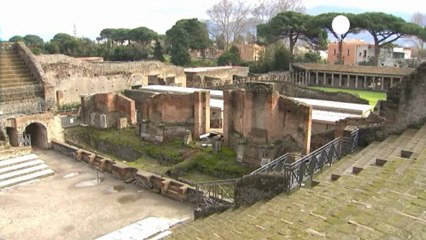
(179, 44)
(419, 19)
(267, 9)
(385, 29)
(197, 33)
(16, 38)
(292, 26)
(230, 17)
(324, 21)
(142, 35)
(158, 51)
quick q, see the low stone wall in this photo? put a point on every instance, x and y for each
(370, 128)
(165, 186)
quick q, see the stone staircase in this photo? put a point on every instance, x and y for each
(17, 84)
(383, 199)
(22, 169)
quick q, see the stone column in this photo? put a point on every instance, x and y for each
(324, 79)
(332, 79)
(356, 81)
(383, 83)
(391, 84)
(348, 84)
(365, 81)
(316, 79)
(374, 82)
(340, 80)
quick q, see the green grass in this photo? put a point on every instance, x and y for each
(372, 96)
(193, 163)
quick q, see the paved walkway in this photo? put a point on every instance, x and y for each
(71, 205)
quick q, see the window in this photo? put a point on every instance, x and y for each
(360, 54)
(365, 53)
(348, 52)
(334, 52)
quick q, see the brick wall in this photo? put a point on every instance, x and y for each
(260, 123)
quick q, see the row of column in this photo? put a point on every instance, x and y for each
(328, 79)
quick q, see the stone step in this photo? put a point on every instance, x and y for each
(26, 178)
(22, 172)
(16, 74)
(12, 79)
(385, 149)
(18, 84)
(21, 166)
(12, 161)
(341, 165)
(15, 70)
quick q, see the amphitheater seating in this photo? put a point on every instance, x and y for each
(384, 199)
(17, 83)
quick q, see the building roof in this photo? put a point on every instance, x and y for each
(342, 107)
(217, 94)
(206, 69)
(369, 70)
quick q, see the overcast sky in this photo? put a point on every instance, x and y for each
(48, 17)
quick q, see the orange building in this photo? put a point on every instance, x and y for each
(250, 52)
(354, 52)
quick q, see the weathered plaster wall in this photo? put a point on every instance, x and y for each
(260, 123)
(406, 103)
(215, 77)
(73, 77)
(112, 105)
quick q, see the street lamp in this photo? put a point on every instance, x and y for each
(340, 26)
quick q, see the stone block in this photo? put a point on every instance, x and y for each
(240, 153)
(380, 162)
(92, 119)
(103, 121)
(335, 177)
(406, 154)
(187, 139)
(122, 123)
(356, 170)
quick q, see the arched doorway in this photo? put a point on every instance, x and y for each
(38, 133)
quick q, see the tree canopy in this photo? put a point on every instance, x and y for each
(385, 29)
(292, 26)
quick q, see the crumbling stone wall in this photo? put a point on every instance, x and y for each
(165, 186)
(170, 115)
(254, 188)
(214, 77)
(71, 77)
(261, 123)
(405, 105)
(110, 105)
(370, 128)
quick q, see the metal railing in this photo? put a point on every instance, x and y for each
(215, 193)
(276, 165)
(294, 172)
(305, 168)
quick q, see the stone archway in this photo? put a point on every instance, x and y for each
(38, 133)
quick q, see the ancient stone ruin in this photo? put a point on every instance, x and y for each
(259, 123)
